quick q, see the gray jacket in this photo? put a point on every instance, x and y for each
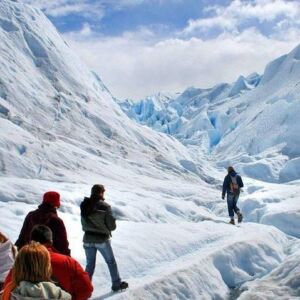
(98, 224)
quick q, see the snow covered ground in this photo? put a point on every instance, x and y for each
(168, 245)
(163, 255)
(281, 283)
(61, 129)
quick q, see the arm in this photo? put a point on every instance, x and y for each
(82, 286)
(60, 240)
(110, 220)
(21, 241)
(225, 184)
(241, 184)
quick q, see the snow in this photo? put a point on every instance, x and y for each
(61, 129)
(281, 283)
(290, 171)
(198, 269)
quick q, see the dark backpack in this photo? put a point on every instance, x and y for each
(234, 186)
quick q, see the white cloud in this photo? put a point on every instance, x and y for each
(140, 63)
(83, 9)
(60, 8)
(231, 16)
(87, 8)
(86, 30)
(134, 65)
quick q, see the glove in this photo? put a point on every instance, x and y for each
(223, 197)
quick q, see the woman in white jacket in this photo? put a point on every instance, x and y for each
(7, 257)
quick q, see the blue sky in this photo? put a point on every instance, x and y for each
(140, 47)
(112, 18)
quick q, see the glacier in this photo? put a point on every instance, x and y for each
(162, 161)
(252, 123)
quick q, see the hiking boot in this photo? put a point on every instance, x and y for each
(240, 217)
(232, 222)
(119, 287)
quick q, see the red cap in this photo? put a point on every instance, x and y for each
(52, 198)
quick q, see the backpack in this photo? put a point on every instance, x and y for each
(234, 186)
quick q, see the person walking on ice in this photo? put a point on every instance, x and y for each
(46, 214)
(97, 223)
(232, 186)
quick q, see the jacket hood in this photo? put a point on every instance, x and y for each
(42, 290)
(233, 173)
(84, 205)
(47, 207)
(88, 205)
(43, 213)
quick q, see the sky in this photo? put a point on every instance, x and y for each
(142, 47)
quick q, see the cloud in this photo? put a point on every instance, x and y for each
(135, 64)
(238, 12)
(87, 8)
(61, 8)
(150, 59)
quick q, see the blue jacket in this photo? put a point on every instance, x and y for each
(227, 182)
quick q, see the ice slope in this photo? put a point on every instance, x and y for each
(282, 283)
(57, 117)
(61, 129)
(273, 204)
(215, 261)
(252, 123)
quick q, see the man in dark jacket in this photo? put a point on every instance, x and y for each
(66, 271)
(97, 223)
(232, 185)
(46, 214)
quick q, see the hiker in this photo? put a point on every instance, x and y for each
(31, 276)
(66, 271)
(232, 186)
(97, 223)
(7, 257)
(46, 214)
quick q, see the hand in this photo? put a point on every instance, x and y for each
(223, 197)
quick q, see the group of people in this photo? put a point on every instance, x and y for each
(40, 266)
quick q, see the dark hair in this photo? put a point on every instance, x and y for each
(88, 205)
(96, 189)
(230, 169)
(42, 234)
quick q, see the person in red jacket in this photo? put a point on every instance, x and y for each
(46, 214)
(66, 271)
